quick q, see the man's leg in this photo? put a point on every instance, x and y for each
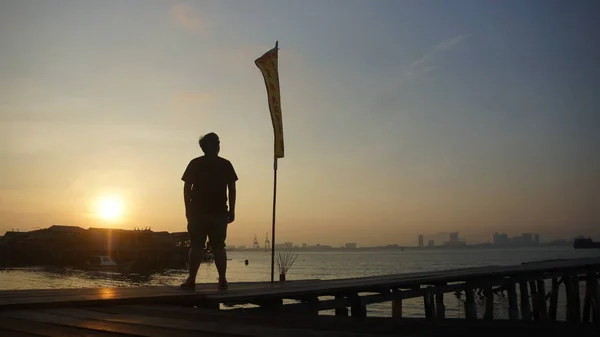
(196, 229)
(217, 241)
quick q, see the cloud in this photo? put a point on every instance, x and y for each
(424, 64)
(186, 16)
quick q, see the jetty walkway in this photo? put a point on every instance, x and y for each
(532, 290)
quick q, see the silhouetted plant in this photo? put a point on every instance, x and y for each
(285, 262)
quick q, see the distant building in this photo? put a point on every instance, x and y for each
(351, 245)
(500, 239)
(286, 245)
(421, 240)
(430, 244)
(454, 237)
(536, 239)
(455, 241)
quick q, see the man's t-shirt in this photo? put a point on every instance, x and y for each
(209, 176)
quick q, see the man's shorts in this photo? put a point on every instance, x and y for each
(213, 226)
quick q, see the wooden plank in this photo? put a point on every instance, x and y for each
(95, 325)
(11, 333)
(16, 325)
(368, 325)
(202, 327)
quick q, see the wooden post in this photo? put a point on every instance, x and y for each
(577, 304)
(489, 304)
(595, 298)
(359, 308)
(343, 311)
(440, 308)
(534, 301)
(396, 305)
(513, 307)
(428, 304)
(525, 305)
(554, 299)
(587, 305)
(542, 308)
(312, 302)
(470, 307)
(573, 311)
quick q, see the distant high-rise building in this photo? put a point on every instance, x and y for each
(454, 237)
(421, 240)
(536, 239)
(500, 239)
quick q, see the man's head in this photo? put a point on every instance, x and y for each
(210, 144)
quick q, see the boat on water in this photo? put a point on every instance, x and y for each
(585, 243)
(103, 262)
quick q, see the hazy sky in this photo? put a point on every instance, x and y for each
(400, 117)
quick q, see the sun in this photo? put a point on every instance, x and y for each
(110, 207)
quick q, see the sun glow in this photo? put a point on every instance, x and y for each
(110, 207)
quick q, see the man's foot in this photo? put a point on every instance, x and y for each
(223, 284)
(188, 285)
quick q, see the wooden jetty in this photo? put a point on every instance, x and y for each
(532, 290)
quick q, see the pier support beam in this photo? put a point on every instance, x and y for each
(513, 306)
(489, 304)
(573, 303)
(343, 311)
(428, 304)
(542, 308)
(359, 308)
(396, 305)
(554, 300)
(470, 307)
(535, 310)
(591, 303)
(525, 305)
(440, 308)
(596, 300)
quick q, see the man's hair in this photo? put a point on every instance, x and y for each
(209, 143)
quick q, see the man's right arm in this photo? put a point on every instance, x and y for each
(187, 197)
(187, 187)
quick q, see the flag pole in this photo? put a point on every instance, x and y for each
(267, 64)
(273, 224)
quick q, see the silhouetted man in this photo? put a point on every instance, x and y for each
(207, 179)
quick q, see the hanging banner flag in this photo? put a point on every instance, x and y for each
(268, 66)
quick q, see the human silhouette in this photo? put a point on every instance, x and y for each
(207, 179)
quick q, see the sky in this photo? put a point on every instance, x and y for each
(400, 117)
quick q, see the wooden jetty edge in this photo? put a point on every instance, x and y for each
(532, 290)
